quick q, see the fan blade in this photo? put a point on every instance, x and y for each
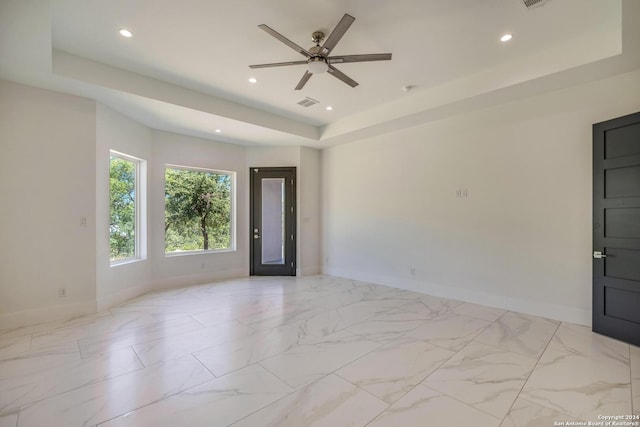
(278, 64)
(337, 33)
(285, 40)
(359, 58)
(303, 81)
(341, 76)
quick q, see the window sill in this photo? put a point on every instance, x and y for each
(187, 253)
(125, 261)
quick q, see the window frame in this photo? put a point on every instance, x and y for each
(233, 221)
(140, 226)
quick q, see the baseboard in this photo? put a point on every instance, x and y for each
(106, 301)
(550, 311)
(67, 311)
(310, 270)
(47, 314)
(197, 279)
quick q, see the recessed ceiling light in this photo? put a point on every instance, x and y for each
(506, 38)
(329, 108)
(125, 33)
(218, 130)
(253, 80)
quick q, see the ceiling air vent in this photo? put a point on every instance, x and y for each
(533, 3)
(308, 102)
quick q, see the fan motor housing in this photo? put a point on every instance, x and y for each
(316, 50)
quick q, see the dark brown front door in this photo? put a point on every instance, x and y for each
(616, 228)
(273, 221)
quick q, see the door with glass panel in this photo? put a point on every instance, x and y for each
(273, 221)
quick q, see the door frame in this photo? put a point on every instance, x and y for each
(289, 173)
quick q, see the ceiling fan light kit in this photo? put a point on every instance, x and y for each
(317, 65)
(318, 60)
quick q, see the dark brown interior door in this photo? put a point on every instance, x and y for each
(616, 228)
(273, 221)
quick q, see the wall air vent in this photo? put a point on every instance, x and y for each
(533, 3)
(308, 102)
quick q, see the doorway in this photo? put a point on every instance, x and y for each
(273, 221)
(616, 228)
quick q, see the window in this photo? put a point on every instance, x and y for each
(125, 208)
(198, 210)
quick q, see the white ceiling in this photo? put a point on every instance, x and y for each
(186, 68)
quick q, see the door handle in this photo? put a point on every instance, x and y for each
(256, 236)
(598, 255)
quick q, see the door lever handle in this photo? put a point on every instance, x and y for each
(256, 236)
(598, 255)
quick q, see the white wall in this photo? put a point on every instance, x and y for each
(120, 282)
(47, 188)
(54, 172)
(169, 271)
(309, 213)
(521, 240)
(273, 157)
(157, 271)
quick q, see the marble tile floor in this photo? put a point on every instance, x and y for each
(311, 351)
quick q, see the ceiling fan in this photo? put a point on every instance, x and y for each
(318, 59)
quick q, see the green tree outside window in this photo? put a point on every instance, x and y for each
(197, 210)
(122, 226)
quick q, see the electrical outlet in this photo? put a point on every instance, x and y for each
(62, 292)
